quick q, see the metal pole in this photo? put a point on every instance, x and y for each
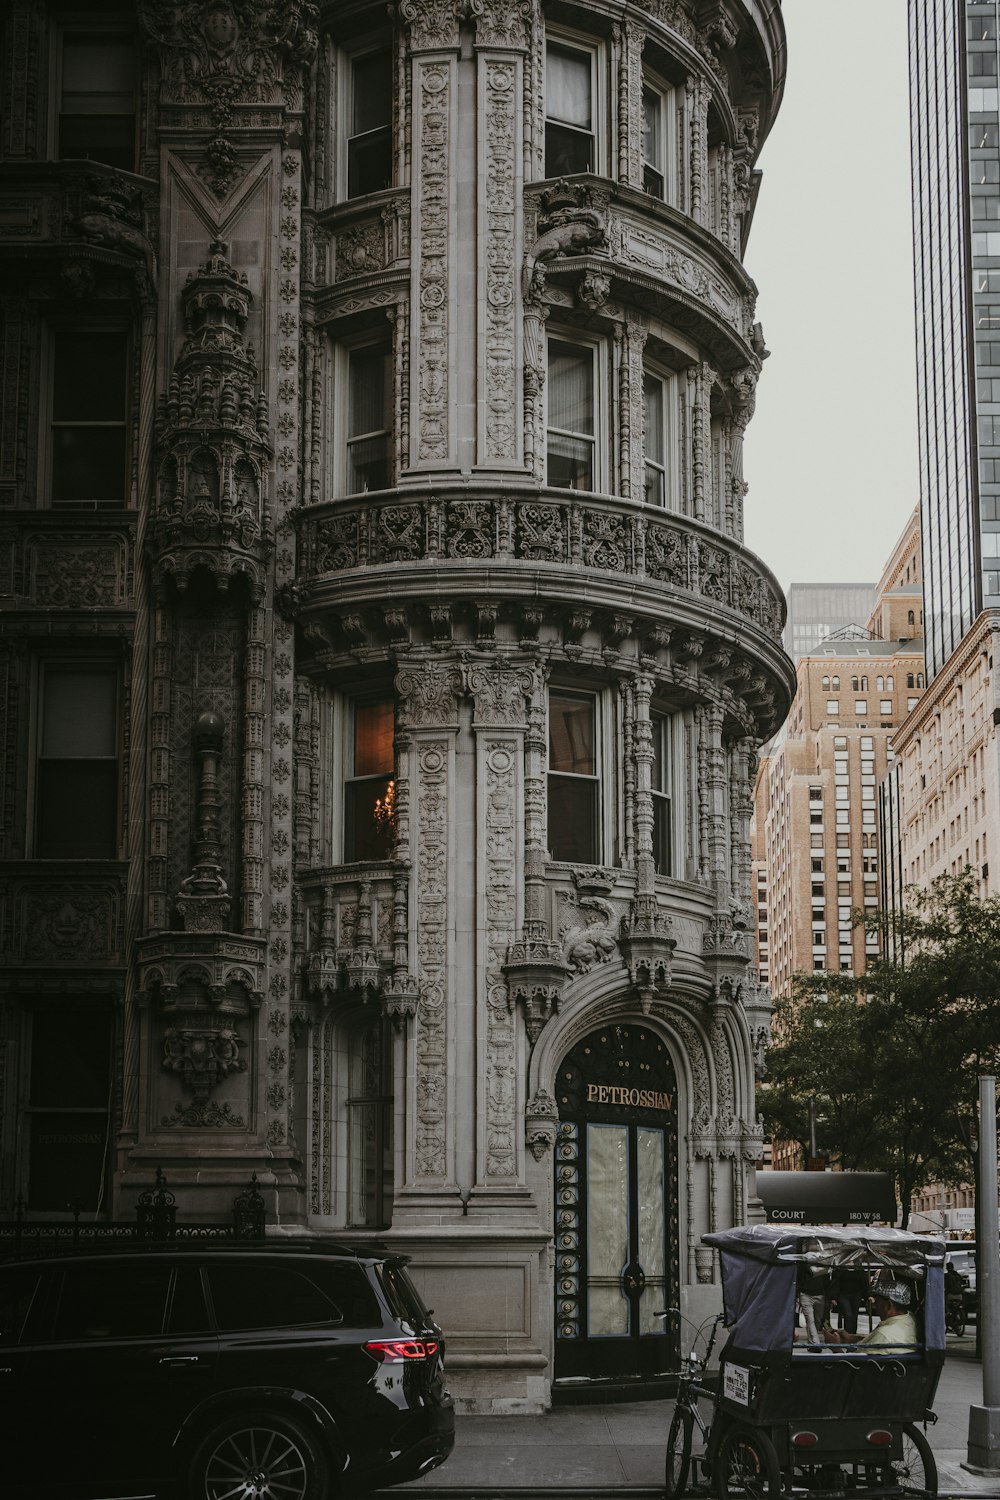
(989, 1249)
(984, 1421)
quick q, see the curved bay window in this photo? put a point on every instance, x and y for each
(369, 1127)
(369, 830)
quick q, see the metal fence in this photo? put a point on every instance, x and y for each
(155, 1223)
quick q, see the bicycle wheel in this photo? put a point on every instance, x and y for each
(916, 1472)
(678, 1453)
(746, 1464)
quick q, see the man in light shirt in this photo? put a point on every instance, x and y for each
(897, 1328)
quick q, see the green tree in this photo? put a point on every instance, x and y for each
(891, 1058)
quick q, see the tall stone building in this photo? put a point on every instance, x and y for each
(383, 667)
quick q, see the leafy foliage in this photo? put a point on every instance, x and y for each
(891, 1059)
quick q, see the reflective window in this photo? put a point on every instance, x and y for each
(369, 830)
(369, 418)
(572, 436)
(573, 782)
(569, 110)
(76, 773)
(369, 136)
(89, 411)
(97, 92)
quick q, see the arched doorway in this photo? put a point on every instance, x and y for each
(616, 1207)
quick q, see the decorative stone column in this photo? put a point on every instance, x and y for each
(426, 735)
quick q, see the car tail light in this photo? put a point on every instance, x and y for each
(804, 1439)
(395, 1351)
(880, 1438)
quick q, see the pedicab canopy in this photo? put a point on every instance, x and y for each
(760, 1266)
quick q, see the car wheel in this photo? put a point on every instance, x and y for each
(258, 1455)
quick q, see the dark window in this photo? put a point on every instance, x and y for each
(369, 140)
(571, 430)
(97, 98)
(369, 1105)
(76, 801)
(124, 1299)
(89, 417)
(402, 1296)
(573, 785)
(654, 395)
(369, 831)
(17, 1291)
(569, 123)
(653, 145)
(369, 407)
(349, 1291)
(266, 1296)
(188, 1309)
(68, 1102)
(661, 780)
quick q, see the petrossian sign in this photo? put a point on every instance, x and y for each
(612, 1093)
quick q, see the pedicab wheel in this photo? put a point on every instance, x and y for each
(747, 1465)
(916, 1472)
(678, 1454)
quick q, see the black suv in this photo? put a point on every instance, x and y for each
(289, 1372)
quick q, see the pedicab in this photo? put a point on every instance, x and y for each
(818, 1419)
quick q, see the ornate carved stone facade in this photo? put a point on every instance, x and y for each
(381, 665)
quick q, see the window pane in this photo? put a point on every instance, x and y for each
(369, 163)
(88, 463)
(567, 86)
(368, 827)
(652, 393)
(571, 734)
(371, 104)
(112, 1301)
(374, 727)
(570, 463)
(97, 107)
(188, 1309)
(70, 1057)
(661, 835)
(567, 150)
(368, 390)
(89, 381)
(368, 465)
(79, 715)
(77, 811)
(571, 388)
(573, 819)
(652, 128)
(266, 1297)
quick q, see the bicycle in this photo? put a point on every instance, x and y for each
(691, 1387)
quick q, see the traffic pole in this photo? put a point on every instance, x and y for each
(984, 1421)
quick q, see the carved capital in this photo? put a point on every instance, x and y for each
(541, 1124)
(428, 695)
(432, 24)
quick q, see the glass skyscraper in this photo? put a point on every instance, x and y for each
(956, 213)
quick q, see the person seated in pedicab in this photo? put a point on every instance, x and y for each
(897, 1326)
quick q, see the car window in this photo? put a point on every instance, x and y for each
(121, 1299)
(17, 1290)
(401, 1295)
(348, 1286)
(188, 1308)
(267, 1296)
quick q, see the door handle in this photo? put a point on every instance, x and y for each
(180, 1359)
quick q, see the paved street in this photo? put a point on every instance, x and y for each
(603, 1450)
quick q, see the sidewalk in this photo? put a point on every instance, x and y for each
(621, 1447)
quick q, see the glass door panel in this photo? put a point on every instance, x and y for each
(607, 1228)
(652, 1227)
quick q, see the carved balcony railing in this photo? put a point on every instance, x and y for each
(357, 937)
(99, 214)
(68, 559)
(536, 529)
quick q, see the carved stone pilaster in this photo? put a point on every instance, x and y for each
(432, 396)
(500, 439)
(633, 37)
(698, 99)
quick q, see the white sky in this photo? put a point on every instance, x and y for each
(831, 453)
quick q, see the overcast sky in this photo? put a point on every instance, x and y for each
(831, 453)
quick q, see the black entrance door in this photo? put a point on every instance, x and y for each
(616, 1206)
